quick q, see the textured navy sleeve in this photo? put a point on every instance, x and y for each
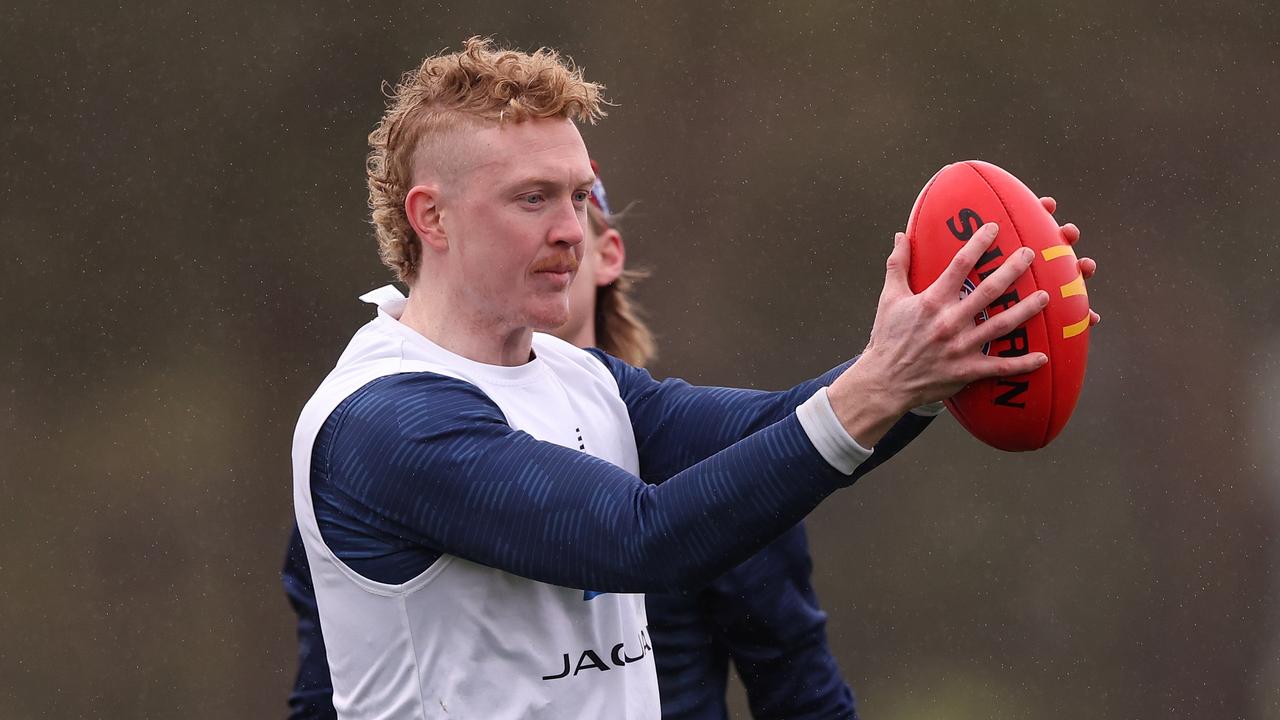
(767, 615)
(677, 424)
(418, 464)
(312, 696)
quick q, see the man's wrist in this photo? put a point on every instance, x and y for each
(865, 406)
(826, 433)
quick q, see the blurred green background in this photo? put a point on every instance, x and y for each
(182, 211)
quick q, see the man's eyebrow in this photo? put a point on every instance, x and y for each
(541, 181)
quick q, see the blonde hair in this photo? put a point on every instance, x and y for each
(620, 330)
(480, 83)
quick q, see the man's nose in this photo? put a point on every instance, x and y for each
(568, 227)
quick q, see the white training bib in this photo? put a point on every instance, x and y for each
(464, 640)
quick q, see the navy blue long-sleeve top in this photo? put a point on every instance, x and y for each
(681, 431)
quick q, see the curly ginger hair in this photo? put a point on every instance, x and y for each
(479, 84)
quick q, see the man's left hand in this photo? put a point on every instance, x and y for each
(1070, 234)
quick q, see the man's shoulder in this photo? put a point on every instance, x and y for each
(411, 404)
(421, 390)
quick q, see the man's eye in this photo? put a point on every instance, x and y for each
(581, 196)
(533, 199)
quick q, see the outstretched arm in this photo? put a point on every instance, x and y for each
(677, 425)
(460, 480)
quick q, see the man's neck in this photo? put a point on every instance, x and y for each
(583, 337)
(470, 337)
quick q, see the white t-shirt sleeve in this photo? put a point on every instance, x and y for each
(826, 433)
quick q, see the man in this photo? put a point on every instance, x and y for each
(470, 493)
(763, 615)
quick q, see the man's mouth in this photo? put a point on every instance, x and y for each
(557, 266)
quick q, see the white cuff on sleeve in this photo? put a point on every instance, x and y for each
(834, 444)
(930, 409)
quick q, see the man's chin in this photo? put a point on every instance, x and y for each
(548, 320)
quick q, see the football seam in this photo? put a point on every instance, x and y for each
(1044, 326)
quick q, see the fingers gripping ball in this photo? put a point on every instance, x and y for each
(1021, 412)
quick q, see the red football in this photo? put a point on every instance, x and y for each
(1022, 412)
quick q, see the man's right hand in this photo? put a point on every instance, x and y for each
(926, 347)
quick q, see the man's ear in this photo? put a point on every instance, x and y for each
(613, 256)
(421, 206)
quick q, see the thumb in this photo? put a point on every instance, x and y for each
(895, 276)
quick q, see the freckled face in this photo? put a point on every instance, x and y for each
(516, 225)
